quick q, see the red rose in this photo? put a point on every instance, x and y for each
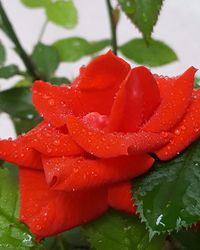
(95, 137)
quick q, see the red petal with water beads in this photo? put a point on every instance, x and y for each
(187, 131)
(78, 173)
(103, 72)
(175, 97)
(98, 81)
(106, 145)
(121, 198)
(96, 120)
(136, 101)
(49, 212)
(18, 152)
(51, 141)
(54, 103)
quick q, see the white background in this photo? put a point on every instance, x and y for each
(178, 26)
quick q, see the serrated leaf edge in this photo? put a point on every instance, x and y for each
(147, 39)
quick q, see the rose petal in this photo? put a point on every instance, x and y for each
(103, 72)
(76, 173)
(135, 102)
(51, 141)
(54, 103)
(187, 131)
(106, 145)
(96, 120)
(18, 152)
(120, 197)
(175, 97)
(49, 212)
(98, 81)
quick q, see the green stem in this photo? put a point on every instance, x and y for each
(42, 30)
(9, 30)
(113, 27)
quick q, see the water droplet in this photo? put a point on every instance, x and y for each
(56, 142)
(183, 127)
(30, 116)
(159, 220)
(168, 147)
(75, 170)
(165, 134)
(46, 96)
(178, 221)
(168, 204)
(177, 132)
(51, 102)
(38, 227)
(127, 228)
(26, 238)
(49, 150)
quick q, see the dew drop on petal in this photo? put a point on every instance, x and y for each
(75, 170)
(177, 132)
(38, 227)
(56, 142)
(183, 127)
(51, 102)
(49, 150)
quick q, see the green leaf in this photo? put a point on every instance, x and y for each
(71, 240)
(168, 197)
(23, 83)
(197, 82)
(143, 13)
(23, 125)
(63, 13)
(35, 3)
(97, 46)
(186, 239)
(155, 54)
(13, 234)
(119, 231)
(59, 80)
(45, 59)
(73, 48)
(8, 71)
(17, 102)
(2, 54)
